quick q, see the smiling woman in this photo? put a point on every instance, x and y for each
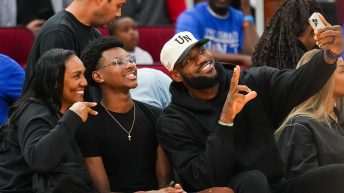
(38, 152)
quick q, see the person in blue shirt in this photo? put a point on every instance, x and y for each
(11, 82)
(153, 87)
(230, 31)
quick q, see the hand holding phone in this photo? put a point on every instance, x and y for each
(315, 21)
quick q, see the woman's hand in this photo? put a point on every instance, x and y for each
(83, 109)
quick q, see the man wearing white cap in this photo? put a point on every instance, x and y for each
(219, 133)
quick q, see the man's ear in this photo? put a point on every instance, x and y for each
(97, 77)
(175, 75)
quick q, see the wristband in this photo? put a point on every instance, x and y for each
(249, 19)
(331, 55)
(225, 124)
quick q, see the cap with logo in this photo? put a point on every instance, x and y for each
(178, 47)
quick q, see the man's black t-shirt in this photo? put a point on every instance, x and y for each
(63, 30)
(130, 165)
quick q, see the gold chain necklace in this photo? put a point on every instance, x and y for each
(132, 124)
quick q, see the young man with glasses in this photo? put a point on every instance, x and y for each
(119, 144)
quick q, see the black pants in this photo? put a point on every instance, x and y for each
(250, 182)
(325, 179)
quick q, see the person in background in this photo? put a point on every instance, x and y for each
(38, 152)
(11, 82)
(218, 129)
(59, 5)
(154, 13)
(231, 32)
(119, 144)
(31, 14)
(312, 136)
(153, 87)
(125, 29)
(287, 36)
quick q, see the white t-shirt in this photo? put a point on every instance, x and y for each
(142, 56)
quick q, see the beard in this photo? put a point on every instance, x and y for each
(201, 82)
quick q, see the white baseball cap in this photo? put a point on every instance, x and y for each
(178, 47)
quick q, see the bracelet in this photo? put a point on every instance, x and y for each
(249, 18)
(246, 24)
(331, 55)
(225, 124)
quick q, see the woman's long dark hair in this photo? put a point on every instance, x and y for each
(278, 46)
(45, 85)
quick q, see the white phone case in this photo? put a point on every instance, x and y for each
(315, 21)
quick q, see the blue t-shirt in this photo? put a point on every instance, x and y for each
(11, 82)
(225, 34)
(153, 87)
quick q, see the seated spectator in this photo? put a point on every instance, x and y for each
(30, 14)
(125, 29)
(287, 36)
(153, 87)
(11, 82)
(38, 152)
(312, 135)
(215, 134)
(119, 144)
(231, 32)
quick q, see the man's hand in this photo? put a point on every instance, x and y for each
(245, 7)
(235, 101)
(35, 25)
(177, 189)
(329, 38)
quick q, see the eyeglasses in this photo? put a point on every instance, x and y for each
(120, 62)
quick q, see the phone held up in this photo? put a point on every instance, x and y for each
(315, 21)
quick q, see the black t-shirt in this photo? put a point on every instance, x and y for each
(130, 165)
(62, 30)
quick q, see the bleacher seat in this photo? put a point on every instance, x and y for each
(152, 39)
(16, 42)
(104, 31)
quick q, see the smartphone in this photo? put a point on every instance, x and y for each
(315, 21)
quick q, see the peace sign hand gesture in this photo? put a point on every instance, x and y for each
(235, 101)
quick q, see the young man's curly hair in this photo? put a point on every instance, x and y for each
(93, 53)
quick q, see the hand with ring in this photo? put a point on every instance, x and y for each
(329, 37)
